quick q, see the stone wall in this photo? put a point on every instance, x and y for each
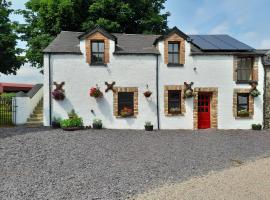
(267, 99)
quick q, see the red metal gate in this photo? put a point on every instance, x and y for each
(204, 113)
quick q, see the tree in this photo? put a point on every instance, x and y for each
(46, 18)
(10, 61)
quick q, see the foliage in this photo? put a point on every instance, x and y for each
(7, 95)
(72, 114)
(126, 112)
(175, 110)
(243, 113)
(46, 18)
(256, 127)
(97, 122)
(255, 93)
(10, 61)
(74, 122)
(148, 123)
(95, 92)
(57, 119)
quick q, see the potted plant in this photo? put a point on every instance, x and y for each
(72, 124)
(148, 126)
(257, 127)
(255, 93)
(188, 93)
(175, 110)
(56, 123)
(96, 92)
(147, 93)
(58, 95)
(72, 114)
(243, 113)
(97, 124)
(126, 112)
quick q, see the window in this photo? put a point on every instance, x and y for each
(97, 52)
(173, 53)
(243, 105)
(174, 101)
(245, 68)
(125, 104)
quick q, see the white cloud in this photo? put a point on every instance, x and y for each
(222, 28)
(265, 44)
(26, 74)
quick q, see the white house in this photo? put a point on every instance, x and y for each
(222, 69)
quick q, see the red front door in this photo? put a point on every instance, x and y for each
(204, 110)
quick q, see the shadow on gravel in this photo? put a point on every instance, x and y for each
(20, 130)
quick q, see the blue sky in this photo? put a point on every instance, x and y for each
(246, 20)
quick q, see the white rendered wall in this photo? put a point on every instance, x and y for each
(137, 71)
(211, 71)
(25, 106)
(79, 77)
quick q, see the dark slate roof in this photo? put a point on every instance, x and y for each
(135, 44)
(98, 29)
(218, 43)
(65, 42)
(68, 42)
(170, 32)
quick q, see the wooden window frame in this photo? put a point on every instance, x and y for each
(98, 52)
(174, 52)
(236, 92)
(238, 104)
(239, 68)
(131, 102)
(170, 101)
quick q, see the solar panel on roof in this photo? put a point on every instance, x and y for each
(237, 44)
(201, 43)
(219, 43)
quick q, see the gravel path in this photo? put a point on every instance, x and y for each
(114, 164)
(250, 181)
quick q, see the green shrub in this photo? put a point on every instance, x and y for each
(7, 95)
(73, 122)
(148, 123)
(97, 122)
(256, 127)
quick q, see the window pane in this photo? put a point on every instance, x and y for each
(97, 57)
(176, 58)
(170, 47)
(242, 102)
(170, 58)
(101, 46)
(125, 102)
(174, 101)
(94, 47)
(176, 47)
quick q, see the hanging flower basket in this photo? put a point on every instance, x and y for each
(126, 112)
(147, 94)
(255, 93)
(188, 94)
(58, 95)
(95, 92)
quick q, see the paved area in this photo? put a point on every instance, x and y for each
(249, 181)
(115, 164)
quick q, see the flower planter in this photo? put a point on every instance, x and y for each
(72, 128)
(149, 128)
(147, 94)
(188, 94)
(243, 114)
(97, 126)
(95, 92)
(255, 93)
(58, 95)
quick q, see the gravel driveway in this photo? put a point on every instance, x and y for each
(40, 163)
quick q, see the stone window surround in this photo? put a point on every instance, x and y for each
(254, 72)
(213, 106)
(174, 38)
(97, 37)
(166, 98)
(115, 99)
(250, 103)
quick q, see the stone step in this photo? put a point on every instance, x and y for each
(35, 119)
(34, 124)
(34, 115)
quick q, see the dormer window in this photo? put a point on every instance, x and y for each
(173, 52)
(97, 52)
